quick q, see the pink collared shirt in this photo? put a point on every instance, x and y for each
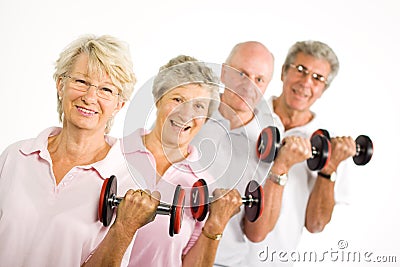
(44, 224)
(153, 246)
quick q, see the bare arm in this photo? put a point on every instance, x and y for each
(203, 252)
(136, 209)
(321, 201)
(294, 150)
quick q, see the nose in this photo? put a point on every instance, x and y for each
(91, 94)
(187, 111)
(307, 79)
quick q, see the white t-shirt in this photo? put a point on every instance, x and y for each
(289, 227)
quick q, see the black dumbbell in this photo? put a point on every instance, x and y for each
(268, 144)
(364, 147)
(109, 201)
(200, 200)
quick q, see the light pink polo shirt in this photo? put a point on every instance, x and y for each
(44, 224)
(153, 245)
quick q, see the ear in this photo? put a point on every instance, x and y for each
(60, 85)
(223, 71)
(283, 73)
(119, 106)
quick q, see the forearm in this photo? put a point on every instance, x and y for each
(258, 230)
(320, 205)
(111, 250)
(202, 253)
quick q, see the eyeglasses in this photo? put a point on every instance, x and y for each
(304, 71)
(82, 85)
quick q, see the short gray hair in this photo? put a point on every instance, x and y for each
(315, 49)
(107, 55)
(183, 70)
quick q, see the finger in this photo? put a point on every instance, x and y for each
(156, 195)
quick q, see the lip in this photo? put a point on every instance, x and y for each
(86, 112)
(182, 127)
(300, 93)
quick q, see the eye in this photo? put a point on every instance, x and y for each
(318, 77)
(259, 80)
(107, 90)
(177, 99)
(301, 69)
(199, 106)
(80, 82)
(242, 74)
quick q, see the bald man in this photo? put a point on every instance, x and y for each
(227, 143)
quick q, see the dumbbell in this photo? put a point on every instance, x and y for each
(109, 201)
(268, 144)
(200, 200)
(364, 147)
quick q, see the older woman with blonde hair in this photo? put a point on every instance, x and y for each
(50, 184)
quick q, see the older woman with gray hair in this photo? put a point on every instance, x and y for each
(50, 185)
(185, 93)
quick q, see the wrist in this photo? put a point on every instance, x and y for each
(329, 176)
(211, 236)
(279, 179)
(279, 169)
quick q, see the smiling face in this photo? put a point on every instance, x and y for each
(181, 113)
(86, 110)
(301, 90)
(246, 76)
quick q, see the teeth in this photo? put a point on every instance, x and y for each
(87, 111)
(298, 92)
(177, 124)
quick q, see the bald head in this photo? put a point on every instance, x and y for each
(255, 52)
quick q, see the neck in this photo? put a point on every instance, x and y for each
(291, 118)
(236, 118)
(78, 146)
(165, 155)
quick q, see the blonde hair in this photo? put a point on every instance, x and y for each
(106, 55)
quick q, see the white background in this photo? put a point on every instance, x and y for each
(362, 100)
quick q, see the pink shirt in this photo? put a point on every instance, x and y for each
(153, 245)
(44, 224)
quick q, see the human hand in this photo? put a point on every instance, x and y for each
(341, 148)
(226, 204)
(137, 208)
(294, 149)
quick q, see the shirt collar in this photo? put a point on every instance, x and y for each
(105, 167)
(133, 143)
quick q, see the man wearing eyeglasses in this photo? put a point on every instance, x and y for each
(307, 197)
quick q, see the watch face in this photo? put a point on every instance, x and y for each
(333, 177)
(282, 179)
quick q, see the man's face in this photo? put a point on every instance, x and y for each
(301, 88)
(246, 77)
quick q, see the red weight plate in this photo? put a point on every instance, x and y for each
(199, 200)
(174, 217)
(102, 199)
(267, 144)
(256, 191)
(107, 208)
(322, 132)
(179, 212)
(321, 145)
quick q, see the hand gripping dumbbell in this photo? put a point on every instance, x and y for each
(364, 147)
(200, 200)
(109, 201)
(268, 144)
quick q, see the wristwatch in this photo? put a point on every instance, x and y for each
(278, 179)
(331, 177)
